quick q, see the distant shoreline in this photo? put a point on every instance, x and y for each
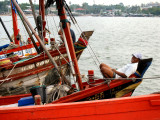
(25, 15)
(83, 15)
(11, 14)
(5, 14)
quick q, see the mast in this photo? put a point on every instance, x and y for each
(33, 12)
(69, 57)
(42, 13)
(65, 24)
(15, 23)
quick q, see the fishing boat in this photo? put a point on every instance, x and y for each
(23, 66)
(145, 107)
(86, 101)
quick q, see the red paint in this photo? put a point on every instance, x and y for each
(155, 102)
(128, 94)
(18, 49)
(91, 75)
(90, 91)
(38, 58)
(12, 99)
(37, 99)
(127, 108)
(42, 12)
(82, 41)
(15, 25)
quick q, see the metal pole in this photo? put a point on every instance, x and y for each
(6, 30)
(29, 33)
(33, 11)
(69, 56)
(34, 15)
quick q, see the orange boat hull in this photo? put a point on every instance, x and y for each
(127, 108)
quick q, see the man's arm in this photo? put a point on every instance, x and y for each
(73, 35)
(119, 73)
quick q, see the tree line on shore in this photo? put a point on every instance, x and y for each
(91, 9)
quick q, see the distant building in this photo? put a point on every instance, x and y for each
(79, 12)
(53, 9)
(79, 9)
(111, 13)
(145, 7)
(28, 10)
(150, 5)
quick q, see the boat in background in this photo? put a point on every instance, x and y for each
(72, 105)
(93, 89)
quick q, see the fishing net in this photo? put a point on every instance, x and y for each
(53, 77)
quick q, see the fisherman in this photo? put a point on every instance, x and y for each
(72, 34)
(123, 72)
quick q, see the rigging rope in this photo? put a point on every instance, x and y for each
(8, 75)
(55, 24)
(56, 47)
(125, 78)
(80, 31)
(107, 80)
(74, 22)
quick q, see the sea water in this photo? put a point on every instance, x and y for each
(113, 42)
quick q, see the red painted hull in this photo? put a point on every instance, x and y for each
(128, 108)
(102, 91)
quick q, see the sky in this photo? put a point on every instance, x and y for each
(105, 2)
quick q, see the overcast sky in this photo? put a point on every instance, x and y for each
(105, 2)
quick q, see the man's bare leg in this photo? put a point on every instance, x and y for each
(106, 71)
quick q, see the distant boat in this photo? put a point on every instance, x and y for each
(77, 14)
(27, 11)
